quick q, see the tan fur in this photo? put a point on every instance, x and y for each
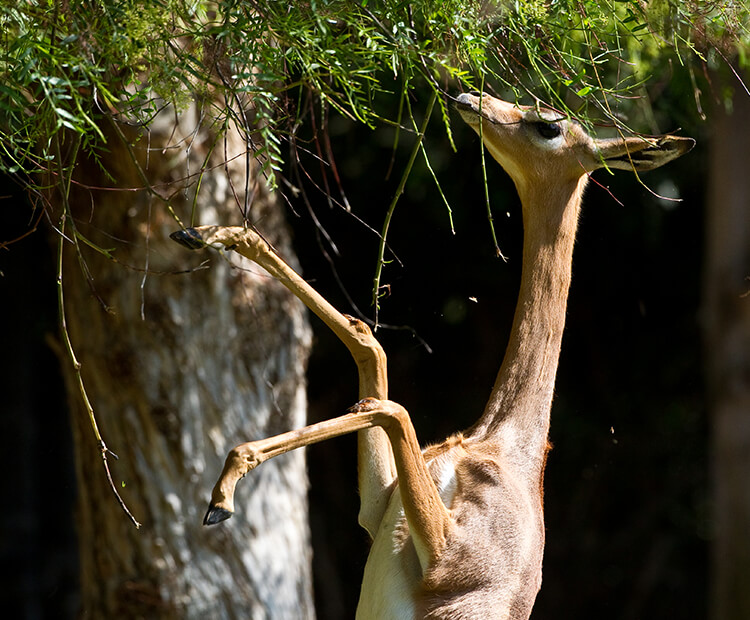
(458, 530)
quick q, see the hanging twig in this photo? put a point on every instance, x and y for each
(490, 218)
(392, 207)
(104, 451)
(79, 379)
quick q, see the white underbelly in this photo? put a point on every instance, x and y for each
(393, 571)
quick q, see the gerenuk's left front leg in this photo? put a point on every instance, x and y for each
(429, 519)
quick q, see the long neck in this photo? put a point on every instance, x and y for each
(521, 398)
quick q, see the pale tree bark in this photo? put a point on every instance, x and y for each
(727, 336)
(180, 368)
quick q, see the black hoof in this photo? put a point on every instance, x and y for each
(216, 515)
(189, 237)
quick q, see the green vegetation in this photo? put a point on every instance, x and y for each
(72, 73)
(66, 67)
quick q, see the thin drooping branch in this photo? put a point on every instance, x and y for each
(70, 353)
(65, 176)
(376, 286)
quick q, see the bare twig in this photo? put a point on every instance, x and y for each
(79, 378)
(64, 217)
(392, 207)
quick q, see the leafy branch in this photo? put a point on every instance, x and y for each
(69, 70)
(66, 66)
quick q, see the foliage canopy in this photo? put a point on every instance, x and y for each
(66, 66)
(269, 68)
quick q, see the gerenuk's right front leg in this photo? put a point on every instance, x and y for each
(377, 469)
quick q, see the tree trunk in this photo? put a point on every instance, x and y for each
(179, 368)
(727, 313)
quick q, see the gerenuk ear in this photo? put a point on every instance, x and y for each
(641, 154)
